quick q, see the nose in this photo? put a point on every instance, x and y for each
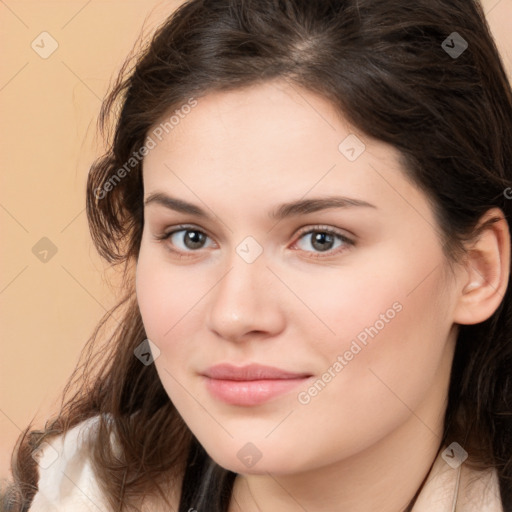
(246, 302)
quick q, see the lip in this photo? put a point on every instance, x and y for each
(250, 385)
(252, 371)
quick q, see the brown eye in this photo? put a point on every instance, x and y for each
(323, 240)
(190, 239)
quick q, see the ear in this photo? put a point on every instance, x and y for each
(487, 269)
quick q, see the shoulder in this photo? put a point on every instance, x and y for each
(453, 485)
(67, 481)
(66, 478)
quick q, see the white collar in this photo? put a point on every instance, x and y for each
(460, 489)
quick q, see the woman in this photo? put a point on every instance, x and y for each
(311, 201)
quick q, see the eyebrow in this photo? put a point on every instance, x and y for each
(294, 208)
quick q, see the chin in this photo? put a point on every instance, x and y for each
(250, 460)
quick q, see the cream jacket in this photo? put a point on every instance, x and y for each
(67, 482)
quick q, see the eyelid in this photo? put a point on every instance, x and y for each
(347, 240)
(325, 228)
(182, 227)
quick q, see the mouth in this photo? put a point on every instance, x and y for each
(250, 385)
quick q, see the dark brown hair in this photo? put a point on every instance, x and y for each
(382, 64)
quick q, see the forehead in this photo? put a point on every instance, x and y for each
(272, 142)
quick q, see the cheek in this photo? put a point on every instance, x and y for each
(166, 299)
(391, 338)
(153, 298)
(392, 304)
(164, 293)
(378, 372)
(389, 320)
(352, 304)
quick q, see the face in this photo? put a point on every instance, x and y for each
(351, 297)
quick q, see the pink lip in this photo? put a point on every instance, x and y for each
(250, 385)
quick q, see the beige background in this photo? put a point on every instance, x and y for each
(48, 140)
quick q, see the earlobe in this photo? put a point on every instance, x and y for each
(487, 269)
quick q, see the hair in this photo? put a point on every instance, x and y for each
(382, 66)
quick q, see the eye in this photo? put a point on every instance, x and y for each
(323, 240)
(186, 239)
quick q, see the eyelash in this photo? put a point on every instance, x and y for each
(315, 229)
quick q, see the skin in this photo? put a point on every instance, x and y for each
(369, 438)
